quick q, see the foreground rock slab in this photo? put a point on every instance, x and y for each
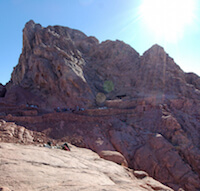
(37, 168)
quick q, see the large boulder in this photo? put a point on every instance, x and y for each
(114, 156)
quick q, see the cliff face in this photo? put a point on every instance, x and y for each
(65, 67)
(151, 112)
(51, 66)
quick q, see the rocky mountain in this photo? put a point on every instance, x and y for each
(64, 67)
(106, 97)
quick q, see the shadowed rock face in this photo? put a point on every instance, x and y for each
(2, 90)
(152, 108)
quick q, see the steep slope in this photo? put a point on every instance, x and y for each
(50, 66)
(161, 75)
(111, 61)
(152, 108)
(65, 67)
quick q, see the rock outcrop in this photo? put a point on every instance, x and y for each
(108, 97)
(64, 67)
(51, 67)
(12, 133)
(35, 168)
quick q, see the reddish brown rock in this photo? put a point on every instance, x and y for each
(140, 174)
(161, 159)
(114, 156)
(10, 132)
(193, 80)
(149, 113)
(54, 169)
(60, 64)
(51, 67)
(29, 113)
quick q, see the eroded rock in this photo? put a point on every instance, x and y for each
(149, 113)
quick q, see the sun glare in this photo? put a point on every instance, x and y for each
(168, 19)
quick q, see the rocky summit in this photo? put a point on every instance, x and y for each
(141, 112)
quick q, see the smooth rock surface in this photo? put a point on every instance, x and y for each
(37, 168)
(114, 156)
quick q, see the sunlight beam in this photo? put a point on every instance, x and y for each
(168, 19)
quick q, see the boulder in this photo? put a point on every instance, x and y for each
(114, 156)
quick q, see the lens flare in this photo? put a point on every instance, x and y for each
(168, 19)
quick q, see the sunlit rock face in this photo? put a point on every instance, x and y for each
(72, 68)
(51, 66)
(65, 67)
(35, 168)
(144, 107)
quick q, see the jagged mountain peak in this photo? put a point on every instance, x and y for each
(68, 67)
(156, 47)
(150, 106)
(31, 22)
(155, 51)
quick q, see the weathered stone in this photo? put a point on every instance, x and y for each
(140, 174)
(10, 132)
(114, 156)
(151, 107)
(36, 168)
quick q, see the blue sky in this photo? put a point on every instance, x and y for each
(104, 19)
